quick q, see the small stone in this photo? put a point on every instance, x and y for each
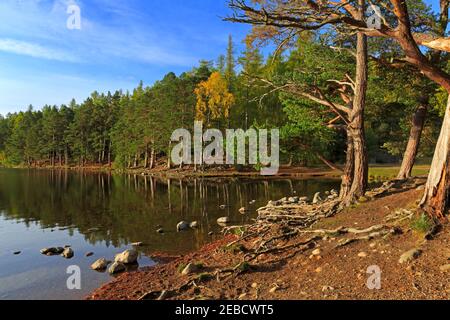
(362, 255)
(327, 288)
(223, 220)
(273, 290)
(68, 253)
(137, 244)
(127, 257)
(243, 210)
(116, 267)
(242, 296)
(319, 270)
(182, 226)
(100, 264)
(89, 254)
(189, 269)
(294, 199)
(160, 230)
(210, 233)
(316, 252)
(445, 268)
(273, 203)
(410, 256)
(17, 253)
(194, 225)
(254, 285)
(373, 245)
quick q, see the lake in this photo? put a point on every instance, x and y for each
(105, 214)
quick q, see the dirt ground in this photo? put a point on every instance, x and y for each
(330, 273)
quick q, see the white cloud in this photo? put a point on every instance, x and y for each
(34, 50)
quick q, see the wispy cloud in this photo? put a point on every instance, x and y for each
(34, 50)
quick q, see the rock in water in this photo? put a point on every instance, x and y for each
(52, 251)
(137, 244)
(89, 254)
(294, 200)
(194, 225)
(410, 256)
(243, 210)
(160, 230)
(189, 269)
(116, 267)
(127, 257)
(317, 198)
(68, 253)
(183, 226)
(223, 220)
(100, 264)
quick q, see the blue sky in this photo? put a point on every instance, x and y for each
(120, 43)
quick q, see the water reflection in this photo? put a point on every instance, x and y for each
(121, 209)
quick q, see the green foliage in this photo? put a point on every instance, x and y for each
(422, 224)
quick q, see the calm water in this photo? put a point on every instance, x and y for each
(104, 214)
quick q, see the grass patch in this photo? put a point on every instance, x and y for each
(422, 224)
(380, 173)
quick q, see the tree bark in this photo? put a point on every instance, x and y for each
(437, 191)
(347, 177)
(356, 130)
(412, 148)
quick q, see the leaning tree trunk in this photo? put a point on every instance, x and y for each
(356, 127)
(436, 199)
(347, 177)
(412, 148)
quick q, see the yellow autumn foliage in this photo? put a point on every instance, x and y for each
(213, 98)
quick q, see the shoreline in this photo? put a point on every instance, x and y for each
(331, 265)
(291, 172)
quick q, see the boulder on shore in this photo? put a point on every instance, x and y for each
(127, 257)
(223, 220)
(116, 267)
(410, 256)
(100, 264)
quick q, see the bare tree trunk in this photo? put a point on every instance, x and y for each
(356, 126)
(146, 158)
(412, 148)
(169, 163)
(436, 200)
(152, 159)
(347, 177)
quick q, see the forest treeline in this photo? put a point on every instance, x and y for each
(133, 129)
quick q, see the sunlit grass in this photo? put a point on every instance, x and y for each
(390, 172)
